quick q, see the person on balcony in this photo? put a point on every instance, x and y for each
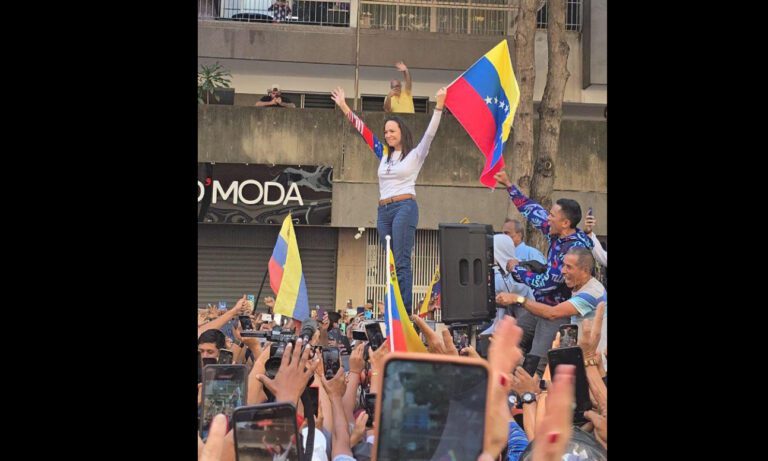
(399, 99)
(281, 11)
(275, 98)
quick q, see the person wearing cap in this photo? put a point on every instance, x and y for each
(399, 99)
(274, 98)
(400, 160)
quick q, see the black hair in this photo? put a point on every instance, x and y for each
(571, 210)
(213, 336)
(406, 138)
(334, 318)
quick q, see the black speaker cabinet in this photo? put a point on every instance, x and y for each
(466, 273)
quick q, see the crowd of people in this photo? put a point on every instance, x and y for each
(530, 413)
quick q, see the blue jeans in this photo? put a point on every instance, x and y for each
(399, 220)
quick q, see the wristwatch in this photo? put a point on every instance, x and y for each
(520, 300)
(528, 397)
(590, 362)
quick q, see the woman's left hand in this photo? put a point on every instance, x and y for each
(440, 98)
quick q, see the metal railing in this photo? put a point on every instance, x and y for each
(474, 17)
(315, 12)
(425, 258)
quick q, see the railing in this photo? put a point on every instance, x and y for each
(313, 12)
(473, 17)
(425, 258)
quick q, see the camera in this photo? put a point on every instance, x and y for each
(279, 339)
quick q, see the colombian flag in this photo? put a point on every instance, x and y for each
(484, 99)
(401, 335)
(286, 277)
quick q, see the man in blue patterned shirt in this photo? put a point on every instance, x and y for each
(559, 227)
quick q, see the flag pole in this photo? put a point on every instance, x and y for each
(390, 331)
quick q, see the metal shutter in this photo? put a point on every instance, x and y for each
(232, 259)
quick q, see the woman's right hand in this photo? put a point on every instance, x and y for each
(338, 97)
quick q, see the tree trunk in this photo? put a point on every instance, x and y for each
(525, 71)
(550, 113)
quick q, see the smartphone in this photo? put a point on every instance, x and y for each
(374, 335)
(331, 361)
(199, 368)
(531, 363)
(266, 432)
(369, 404)
(431, 407)
(573, 356)
(252, 300)
(245, 322)
(351, 312)
(569, 334)
(210, 361)
(224, 389)
(359, 335)
(313, 314)
(225, 356)
(222, 305)
(589, 212)
(266, 317)
(320, 314)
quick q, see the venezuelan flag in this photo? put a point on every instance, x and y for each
(484, 99)
(432, 294)
(286, 277)
(401, 335)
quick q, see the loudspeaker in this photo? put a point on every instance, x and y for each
(468, 290)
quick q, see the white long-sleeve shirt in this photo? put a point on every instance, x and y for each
(597, 251)
(398, 177)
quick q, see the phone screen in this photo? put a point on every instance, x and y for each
(224, 389)
(359, 335)
(531, 363)
(432, 411)
(246, 323)
(331, 361)
(373, 332)
(199, 368)
(225, 357)
(569, 334)
(572, 356)
(266, 432)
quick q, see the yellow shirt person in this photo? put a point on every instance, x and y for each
(399, 99)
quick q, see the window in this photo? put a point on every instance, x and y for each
(572, 16)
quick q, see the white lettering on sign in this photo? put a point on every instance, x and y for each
(242, 188)
(266, 194)
(272, 193)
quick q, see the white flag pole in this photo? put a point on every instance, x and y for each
(390, 332)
